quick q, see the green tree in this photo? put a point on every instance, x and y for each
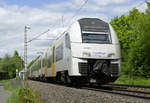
(17, 61)
(7, 65)
(10, 64)
(133, 31)
(139, 56)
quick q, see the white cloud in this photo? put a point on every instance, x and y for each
(121, 9)
(141, 6)
(14, 18)
(107, 2)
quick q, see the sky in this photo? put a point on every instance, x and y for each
(55, 15)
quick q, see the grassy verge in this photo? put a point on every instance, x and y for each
(19, 94)
(125, 79)
(4, 81)
(14, 98)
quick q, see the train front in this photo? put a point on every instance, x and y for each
(95, 51)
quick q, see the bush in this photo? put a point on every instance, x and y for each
(19, 94)
(26, 95)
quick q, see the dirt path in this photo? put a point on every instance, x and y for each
(3, 94)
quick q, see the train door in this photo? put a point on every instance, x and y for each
(53, 61)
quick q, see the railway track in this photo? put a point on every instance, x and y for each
(126, 85)
(50, 92)
(129, 87)
(106, 93)
(137, 91)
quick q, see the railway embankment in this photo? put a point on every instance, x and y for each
(52, 93)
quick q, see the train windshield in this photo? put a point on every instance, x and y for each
(96, 37)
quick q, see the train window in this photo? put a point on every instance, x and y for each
(59, 52)
(46, 59)
(96, 37)
(36, 65)
(53, 53)
(67, 39)
(49, 60)
(39, 64)
(43, 62)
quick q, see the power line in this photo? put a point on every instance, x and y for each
(38, 35)
(136, 6)
(46, 39)
(78, 10)
(140, 4)
(41, 34)
(35, 38)
(75, 14)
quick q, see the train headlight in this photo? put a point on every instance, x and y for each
(86, 54)
(111, 54)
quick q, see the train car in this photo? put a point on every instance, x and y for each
(88, 52)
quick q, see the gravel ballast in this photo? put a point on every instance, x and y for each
(51, 93)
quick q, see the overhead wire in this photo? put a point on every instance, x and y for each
(136, 6)
(43, 33)
(74, 15)
(39, 35)
(78, 10)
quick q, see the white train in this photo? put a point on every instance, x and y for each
(88, 52)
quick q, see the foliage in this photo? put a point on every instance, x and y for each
(27, 95)
(19, 94)
(133, 31)
(125, 79)
(10, 87)
(4, 81)
(14, 89)
(10, 64)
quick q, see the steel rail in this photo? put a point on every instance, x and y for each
(129, 85)
(122, 92)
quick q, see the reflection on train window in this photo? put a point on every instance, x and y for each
(43, 64)
(49, 60)
(46, 59)
(99, 37)
(39, 64)
(59, 52)
(53, 53)
(67, 39)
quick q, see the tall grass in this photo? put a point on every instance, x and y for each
(125, 79)
(19, 94)
(14, 98)
(4, 81)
